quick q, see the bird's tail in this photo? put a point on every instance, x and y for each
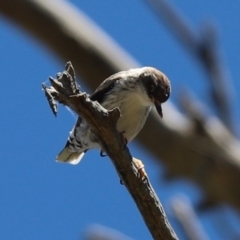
(70, 157)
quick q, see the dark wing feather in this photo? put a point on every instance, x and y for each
(99, 96)
(105, 88)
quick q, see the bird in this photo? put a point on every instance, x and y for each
(135, 92)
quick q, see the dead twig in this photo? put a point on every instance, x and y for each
(187, 217)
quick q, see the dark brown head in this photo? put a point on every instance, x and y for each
(157, 86)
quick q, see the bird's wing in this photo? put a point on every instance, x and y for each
(105, 87)
(75, 141)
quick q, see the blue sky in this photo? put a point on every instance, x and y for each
(41, 199)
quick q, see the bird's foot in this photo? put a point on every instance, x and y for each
(102, 154)
(122, 182)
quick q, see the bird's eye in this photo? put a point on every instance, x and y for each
(152, 87)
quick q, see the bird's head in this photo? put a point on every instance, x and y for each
(157, 86)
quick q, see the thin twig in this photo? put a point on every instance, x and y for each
(186, 215)
(99, 232)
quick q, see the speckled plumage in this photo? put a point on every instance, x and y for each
(134, 92)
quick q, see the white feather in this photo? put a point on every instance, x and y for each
(77, 160)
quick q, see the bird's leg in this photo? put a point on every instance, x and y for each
(140, 167)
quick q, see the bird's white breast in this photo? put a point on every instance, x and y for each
(134, 107)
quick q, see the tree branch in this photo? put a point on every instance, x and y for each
(58, 24)
(187, 217)
(204, 48)
(99, 232)
(103, 125)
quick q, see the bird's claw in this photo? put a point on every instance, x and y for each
(122, 182)
(102, 154)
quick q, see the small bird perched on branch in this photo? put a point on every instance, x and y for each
(134, 92)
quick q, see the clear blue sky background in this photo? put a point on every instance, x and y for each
(41, 199)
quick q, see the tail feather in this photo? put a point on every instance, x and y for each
(70, 157)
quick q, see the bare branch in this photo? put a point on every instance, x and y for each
(204, 48)
(103, 125)
(99, 232)
(186, 215)
(58, 24)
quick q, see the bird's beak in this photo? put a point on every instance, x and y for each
(159, 108)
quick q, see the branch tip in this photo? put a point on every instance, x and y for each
(69, 68)
(51, 100)
(115, 114)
